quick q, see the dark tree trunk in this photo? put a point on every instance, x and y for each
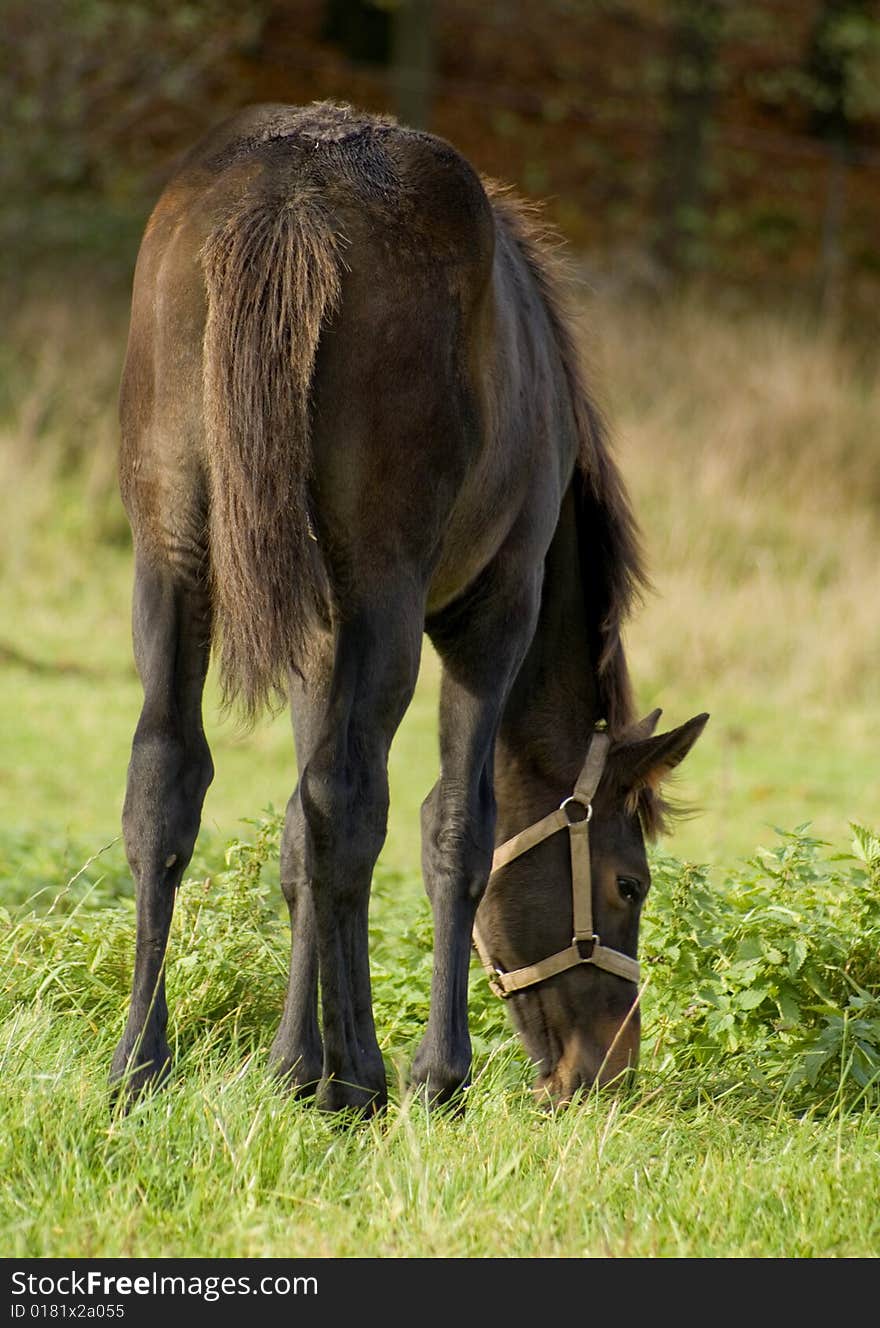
(827, 67)
(412, 58)
(361, 29)
(691, 89)
(399, 38)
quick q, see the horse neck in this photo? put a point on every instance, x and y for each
(553, 706)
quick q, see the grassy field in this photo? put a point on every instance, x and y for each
(749, 442)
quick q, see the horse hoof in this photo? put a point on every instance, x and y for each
(132, 1079)
(296, 1075)
(439, 1080)
(336, 1095)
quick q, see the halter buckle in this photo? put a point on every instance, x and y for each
(495, 986)
(585, 945)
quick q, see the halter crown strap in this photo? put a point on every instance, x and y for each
(585, 947)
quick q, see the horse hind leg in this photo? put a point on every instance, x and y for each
(168, 776)
(343, 801)
(297, 1052)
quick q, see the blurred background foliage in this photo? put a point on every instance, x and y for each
(716, 169)
(737, 141)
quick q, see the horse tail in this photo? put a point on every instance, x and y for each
(272, 274)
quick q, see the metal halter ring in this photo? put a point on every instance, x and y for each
(585, 945)
(577, 820)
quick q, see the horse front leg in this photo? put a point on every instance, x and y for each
(168, 776)
(482, 648)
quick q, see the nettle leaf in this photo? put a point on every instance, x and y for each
(752, 998)
(743, 974)
(864, 1074)
(797, 953)
(749, 948)
(813, 1064)
(866, 845)
(789, 1007)
(785, 915)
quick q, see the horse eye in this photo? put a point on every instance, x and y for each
(630, 888)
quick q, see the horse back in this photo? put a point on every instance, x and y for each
(415, 251)
(330, 302)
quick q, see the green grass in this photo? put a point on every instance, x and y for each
(722, 1150)
(653, 1179)
(752, 1131)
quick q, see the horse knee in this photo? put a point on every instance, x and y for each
(167, 782)
(457, 847)
(346, 816)
(458, 864)
(322, 796)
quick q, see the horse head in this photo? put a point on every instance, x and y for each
(559, 924)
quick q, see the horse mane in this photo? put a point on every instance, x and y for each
(612, 561)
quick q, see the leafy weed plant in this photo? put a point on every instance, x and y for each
(767, 983)
(773, 979)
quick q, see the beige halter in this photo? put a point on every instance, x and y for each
(585, 947)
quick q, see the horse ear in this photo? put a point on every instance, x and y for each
(643, 728)
(648, 760)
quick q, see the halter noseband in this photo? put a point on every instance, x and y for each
(585, 947)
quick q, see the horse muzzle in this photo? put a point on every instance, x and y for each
(606, 1057)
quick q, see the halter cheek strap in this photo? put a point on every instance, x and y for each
(573, 814)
